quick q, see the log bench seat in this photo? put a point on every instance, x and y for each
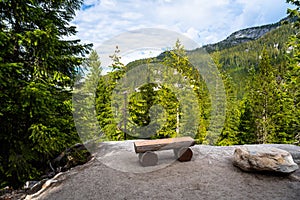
(180, 146)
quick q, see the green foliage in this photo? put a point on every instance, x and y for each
(198, 104)
(239, 61)
(266, 111)
(84, 99)
(232, 118)
(37, 72)
(107, 83)
(154, 110)
(38, 69)
(140, 106)
(262, 95)
(261, 84)
(266, 88)
(292, 80)
(262, 101)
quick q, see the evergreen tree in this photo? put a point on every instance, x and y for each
(158, 96)
(37, 70)
(262, 103)
(106, 116)
(195, 106)
(229, 134)
(263, 96)
(84, 99)
(292, 75)
(247, 126)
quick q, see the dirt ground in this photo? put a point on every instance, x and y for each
(115, 173)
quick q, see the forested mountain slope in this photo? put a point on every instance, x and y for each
(261, 105)
(241, 60)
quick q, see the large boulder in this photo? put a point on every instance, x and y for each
(266, 159)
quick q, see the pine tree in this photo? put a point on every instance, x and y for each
(292, 80)
(84, 99)
(106, 108)
(177, 66)
(261, 102)
(247, 126)
(229, 134)
(37, 71)
(195, 102)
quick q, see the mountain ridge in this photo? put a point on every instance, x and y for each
(245, 35)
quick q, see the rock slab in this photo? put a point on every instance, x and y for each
(210, 175)
(264, 159)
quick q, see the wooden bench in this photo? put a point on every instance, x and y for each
(180, 146)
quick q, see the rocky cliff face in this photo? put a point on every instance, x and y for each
(245, 35)
(250, 33)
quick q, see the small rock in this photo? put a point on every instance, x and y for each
(32, 187)
(268, 159)
(71, 157)
(29, 184)
(45, 185)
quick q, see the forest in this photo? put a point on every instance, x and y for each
(258, 78)
(258, 94)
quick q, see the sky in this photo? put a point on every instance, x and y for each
(203, 21)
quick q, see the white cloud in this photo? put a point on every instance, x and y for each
(131, 15)
(108, 3)
(205, 21)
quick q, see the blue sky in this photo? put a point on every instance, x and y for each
(204, 21)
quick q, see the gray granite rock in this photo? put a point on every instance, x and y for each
(115, 173)
(262, 158)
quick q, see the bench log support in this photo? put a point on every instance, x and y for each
(148, 158)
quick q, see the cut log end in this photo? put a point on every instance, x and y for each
(183, 154)
(148, 158)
